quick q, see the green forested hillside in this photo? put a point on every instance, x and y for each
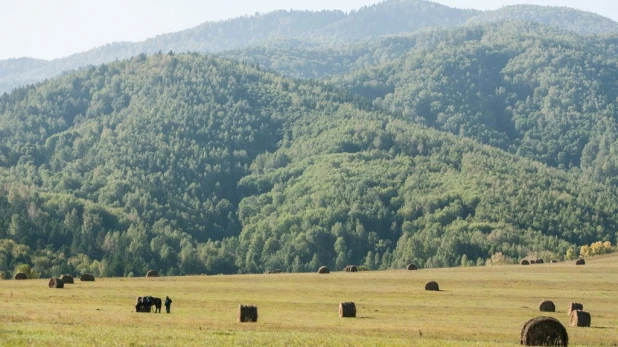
(191, 164)
(529, 89)
(539, 93)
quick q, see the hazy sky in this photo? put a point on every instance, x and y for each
(50, 29)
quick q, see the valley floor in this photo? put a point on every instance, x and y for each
(485, 306)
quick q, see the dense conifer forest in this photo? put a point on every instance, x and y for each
(461, 145)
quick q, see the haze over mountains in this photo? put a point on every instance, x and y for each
(444, 145)
(326, 28)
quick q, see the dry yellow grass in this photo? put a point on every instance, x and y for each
(476, 307)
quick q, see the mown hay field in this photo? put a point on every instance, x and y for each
(485, 306)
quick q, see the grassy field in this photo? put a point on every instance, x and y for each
(484, 306)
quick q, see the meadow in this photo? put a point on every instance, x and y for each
(479, 306)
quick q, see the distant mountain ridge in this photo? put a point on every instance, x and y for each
(324, 27)
(580, 22)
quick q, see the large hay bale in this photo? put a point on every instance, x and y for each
(21, 276)
(580, 262)
(347, 310)
(544, 331)
(433, 286)
(411, 267)
(554, 261)
(580, 318)
(547, 306)
(86, 278)
(574, 306)
(152, 273)
(323, 270)
(525, 262)
(56, 283)
(540, 261)
(247, 313)
(351, 268)
(67, 279)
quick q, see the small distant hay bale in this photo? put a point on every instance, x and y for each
(432, 286)
(247, 313)
(276, 271)
(56, 283)
(411, 267)
(532, 261)
(574, 306)
(525, 262)
(547, 306)
(554, 261)
(86, 278)
(323, 270)
(580, 318)
(21, 276)
(67, 279)
(351, 268)
(540, 261)
(152, 273)
(544, 331)
(347, 310)
(580, 262)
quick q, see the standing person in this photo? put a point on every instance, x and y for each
(168, 303)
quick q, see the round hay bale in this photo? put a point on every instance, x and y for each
(21, 276)
(323, 270)
(433, 286)
(547, 306)
(247, 313)
(152, 273)
(554, 261)
(86, 278)
(574, 306)
(347, 310)
(56, 283)
(351, 268)
(540, 261)
(67, 279)
(580, 262)
(411, 267)
(525, 262)
(580, 318)
(544, 331)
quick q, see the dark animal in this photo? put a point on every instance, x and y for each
(145, 303)
(157, 304)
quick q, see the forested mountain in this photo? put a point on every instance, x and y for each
(580, 22)
(190, 164)
(325, 30)
(326, 27)
(528, 89)
(535, 91)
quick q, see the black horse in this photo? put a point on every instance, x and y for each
(145, 303)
